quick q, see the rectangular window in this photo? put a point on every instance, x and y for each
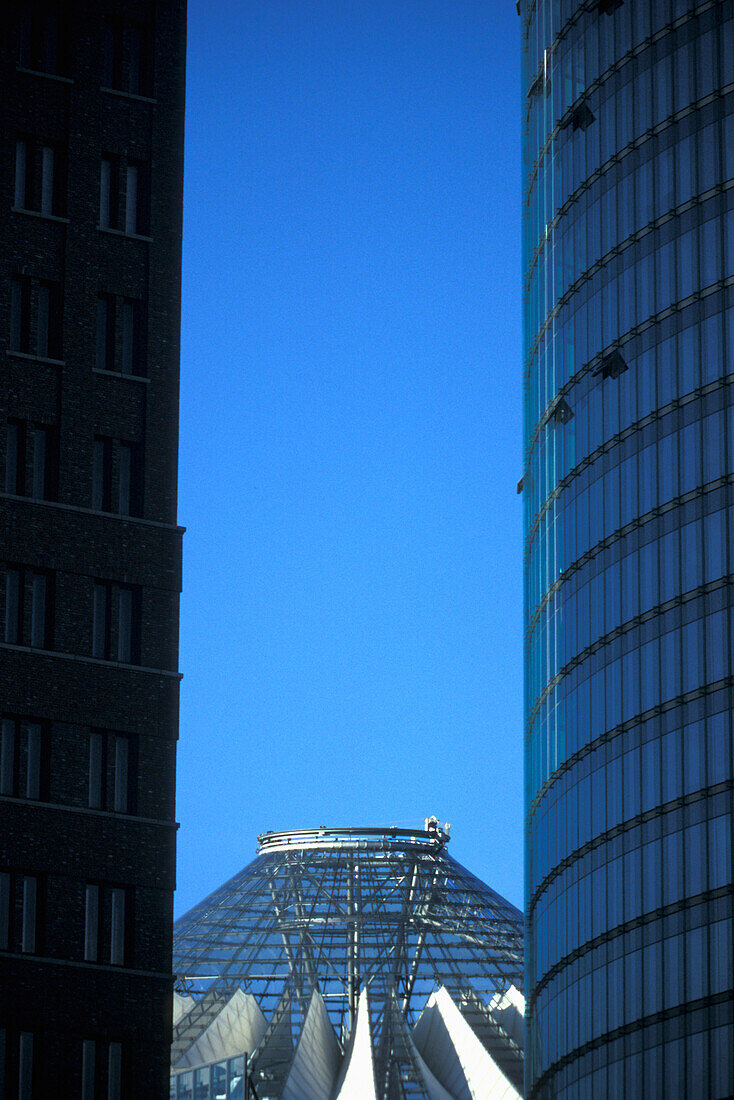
(131, 199)
(133, 344)
(30, 898)
(112, 61)
(89, 1052)
(32, 735)
(47, 180)
(105, 926)
(96, 770)
(125, 626)
(29, 608)
(105, 357)
(49, 320)
(127, 58)
(112, 769)
(5, 903)
(109, 185)
(15, 457)
(114, 1072)
(125, 475)
(44, 462)
(39, 443)
(117, 926)
(23, 756)
(102, 474)
(122, 774)
(21, 174)
(116, 477)
(101, 622)
(20, 314)
(39, 177)
(91, 923)
(42, 38)
(116, 622)
(31, 460)
(13, 606)
(7, 757)
(25, 1066)
(39, 610)
(136, 198)
(19, 912)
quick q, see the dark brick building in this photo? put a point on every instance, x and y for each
(90, 554)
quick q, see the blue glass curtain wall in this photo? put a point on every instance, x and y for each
(628, 486)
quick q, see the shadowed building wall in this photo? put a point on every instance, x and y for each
(90, 554)
(628, 201)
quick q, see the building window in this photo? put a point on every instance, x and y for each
(19, 912)
(133, 342)
(105, 924)
(25, 1066)
(112, 770)
(116, 622)
(28, 610)
(31, 460)
(98, 1057)
(39, 177)
(128, 60)
(89, 1061)
(123, 195)
(105, 359)
(116, 477)
(102, 474)
(23, 758)
(136, 198)
(114, 1072)
(109, 189)
(129, 314)
(36, 317)
(43, 38)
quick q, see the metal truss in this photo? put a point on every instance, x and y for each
(341, 909)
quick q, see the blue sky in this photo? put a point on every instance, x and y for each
(351, 635)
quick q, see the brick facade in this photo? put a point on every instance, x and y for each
(89, 597)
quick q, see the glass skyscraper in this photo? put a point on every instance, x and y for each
(628, 252)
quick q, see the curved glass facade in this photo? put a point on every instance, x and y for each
(628, 199)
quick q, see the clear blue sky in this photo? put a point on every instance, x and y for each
(351, 634)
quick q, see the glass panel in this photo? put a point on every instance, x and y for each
(122, 747)
(7, 757)
(114, 1072)
(5, 895)
(88, 1064)
(33, 761)
(47, 180)
(40, 448)
(131, 199)
(96, 747)
(21, 159)
(105, 187)
(25, 1066)
(124, 635)
(117, 927)
(91, 923)
(28, 936)
(99, 624)
(38, 611)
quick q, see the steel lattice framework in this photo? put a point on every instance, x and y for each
(340, 909)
